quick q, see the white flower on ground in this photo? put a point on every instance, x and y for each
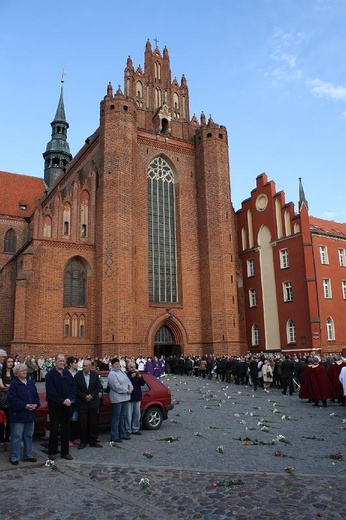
(144, 483)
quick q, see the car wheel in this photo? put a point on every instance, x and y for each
(153, 418)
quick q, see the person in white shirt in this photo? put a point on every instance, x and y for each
(140, 361)
(342, 379)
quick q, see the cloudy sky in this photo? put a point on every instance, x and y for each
(272, 71)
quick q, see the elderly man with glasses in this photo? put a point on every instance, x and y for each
(88, 402)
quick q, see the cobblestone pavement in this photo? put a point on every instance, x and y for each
(225, 452)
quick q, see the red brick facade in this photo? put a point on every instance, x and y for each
(284, 279)
(19, 195)
(96, 214)
(91, 247)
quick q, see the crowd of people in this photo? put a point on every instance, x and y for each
(74, 391)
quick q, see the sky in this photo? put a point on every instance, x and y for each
(272, 71)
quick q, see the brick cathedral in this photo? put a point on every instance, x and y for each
(133, 247)
(130, 246)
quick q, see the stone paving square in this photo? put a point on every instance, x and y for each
(224, 452)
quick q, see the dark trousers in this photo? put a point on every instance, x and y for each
(287, 382)
(254, 381)
(88, 419)
(59, 418)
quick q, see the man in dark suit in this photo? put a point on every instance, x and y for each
(287, 374)
(87, 404)
(60, 392)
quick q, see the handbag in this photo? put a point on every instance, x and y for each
(3, 418)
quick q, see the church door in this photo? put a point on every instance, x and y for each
(164, 343)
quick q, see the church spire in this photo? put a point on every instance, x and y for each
(60, 111)
(302, 199)
(57, 154)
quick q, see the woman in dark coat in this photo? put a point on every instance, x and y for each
(23, 400)
(6, 377)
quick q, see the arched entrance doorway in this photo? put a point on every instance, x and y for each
(164, 344)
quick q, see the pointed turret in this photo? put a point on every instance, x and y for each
(60, 111)
(57, 154)
(302, 199)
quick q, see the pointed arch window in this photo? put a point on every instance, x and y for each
(139, 89)
(330, 329)
(75, 325)
(47, 226)
(82, 326)
(158, 98)
(291, 332)
(67, 325)
(163, 286)
(10, 242)
(84, 213)
(176, 101)
(255, 335)
(75, 284)
(157, 68)
(66, 229)
(164, 336)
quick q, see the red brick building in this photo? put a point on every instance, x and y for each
(132, 245)
(19, 195)
(294, 274)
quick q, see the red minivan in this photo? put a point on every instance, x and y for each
(155, 405)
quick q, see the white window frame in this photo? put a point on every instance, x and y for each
(250, 263)
(291, 332)
(287, 291)
(342, 257)
(255, 335)
(324, 255)
(284, 259)
(330, 329)
(343, 287)
(252, 298)
(327, 288)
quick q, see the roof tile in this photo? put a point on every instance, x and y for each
(19, 194)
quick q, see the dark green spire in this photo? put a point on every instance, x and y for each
(57, 154)
(302, 199)
(60, 111)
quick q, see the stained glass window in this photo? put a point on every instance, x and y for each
(162, 233)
